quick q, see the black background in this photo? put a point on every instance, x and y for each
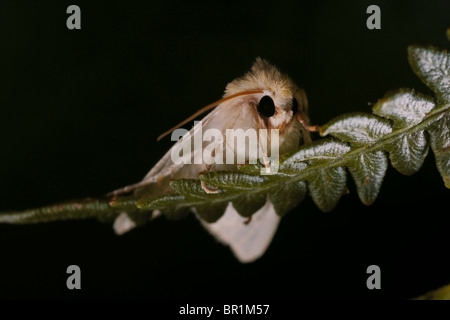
(80, 111)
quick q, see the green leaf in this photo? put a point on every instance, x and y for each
(433, 68)
(291, 168)
(124, 203)
(404, 107)
(250, 168)
(211, 211)
(327, 187)
(440, 144)
(368, 170)
(287, 196)
(320, 151)
(190, 188)
(161, 202)
(233, 180)
(408, 153)
(77, 209)
(248, 203)
(357, 128)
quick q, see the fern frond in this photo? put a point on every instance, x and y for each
(402, 127)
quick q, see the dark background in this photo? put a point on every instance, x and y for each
(80, 111)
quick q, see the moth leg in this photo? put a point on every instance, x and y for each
(249, 219)
(266, 161)
(263, 155)
(311, 128)
(203, 183)
(304, 123)
(207, 189)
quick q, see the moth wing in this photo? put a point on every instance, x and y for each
(165, 166)
(123, 224)
(228, 115)
(233, 114)
(247, 241)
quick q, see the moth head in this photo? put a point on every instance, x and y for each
(276, 100)
(278, 111)
(280, 103)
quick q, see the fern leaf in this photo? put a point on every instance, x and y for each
(401, 127)
(440, 143)
(432, 66)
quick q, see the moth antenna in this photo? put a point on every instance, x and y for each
(204, 109)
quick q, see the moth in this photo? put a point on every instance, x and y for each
(264, 98)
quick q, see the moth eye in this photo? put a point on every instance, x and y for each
(294, 105)
(266, 107)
